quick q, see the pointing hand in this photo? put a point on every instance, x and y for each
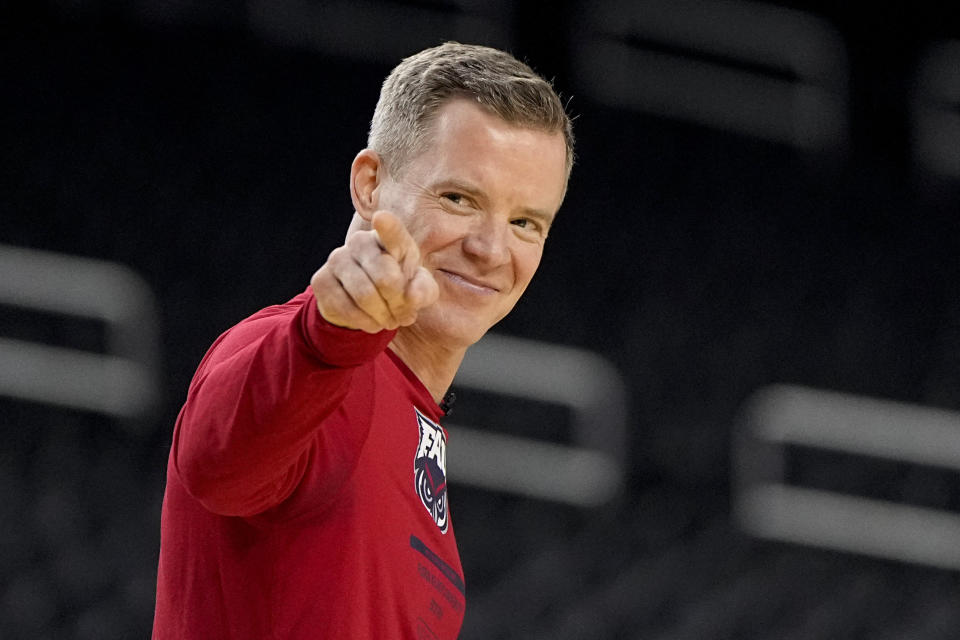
(375, 280)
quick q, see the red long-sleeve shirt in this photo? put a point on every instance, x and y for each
(306, 492)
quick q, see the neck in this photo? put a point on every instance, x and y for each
(435, 366)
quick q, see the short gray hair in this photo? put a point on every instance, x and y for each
(420, 85)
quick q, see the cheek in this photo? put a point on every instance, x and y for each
(434, 235)
(526, 264)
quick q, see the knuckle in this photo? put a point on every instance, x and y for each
(358, 244)
(338, 256)
(317, 280)
(390, 282)
(364, 294)
(323, 283)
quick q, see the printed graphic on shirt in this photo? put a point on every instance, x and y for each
(430, 470)
(445, 570)
(424, 632)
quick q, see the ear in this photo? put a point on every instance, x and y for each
(366, 174)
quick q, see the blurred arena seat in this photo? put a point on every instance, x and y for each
(589, 470)
(936, 110)
(520, 464)
(79, 388)
(757, 69)
(380, 31)
(767, 504)
(123, 381)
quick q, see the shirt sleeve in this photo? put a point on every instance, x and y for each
(242, 439)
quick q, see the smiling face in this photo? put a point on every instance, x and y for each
(479, 201)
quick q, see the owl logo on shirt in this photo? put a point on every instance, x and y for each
(430, 470)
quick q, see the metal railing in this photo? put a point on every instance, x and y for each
(767, 506)
(586, 472)
(122, 382)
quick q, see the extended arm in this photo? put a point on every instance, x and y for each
(243, 437)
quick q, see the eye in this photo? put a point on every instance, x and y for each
(453, 197)
(526, 223)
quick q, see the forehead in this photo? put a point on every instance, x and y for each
(469, 142)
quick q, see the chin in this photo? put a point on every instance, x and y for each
(457, 328)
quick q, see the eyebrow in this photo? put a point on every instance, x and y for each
(541, 216)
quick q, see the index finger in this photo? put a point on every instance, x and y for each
(397, 241)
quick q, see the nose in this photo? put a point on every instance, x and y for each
(488, 241)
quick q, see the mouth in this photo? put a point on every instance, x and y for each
(469, 283)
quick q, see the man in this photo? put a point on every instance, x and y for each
(306, 486)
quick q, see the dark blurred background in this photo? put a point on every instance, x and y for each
(765, 193)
